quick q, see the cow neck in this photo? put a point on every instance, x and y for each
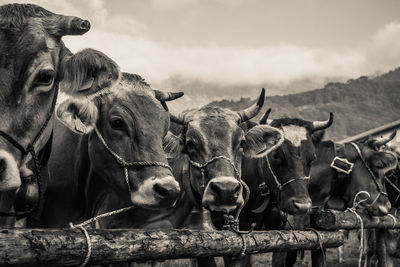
(36, 177)
(343, 174)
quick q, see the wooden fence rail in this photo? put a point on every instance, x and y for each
(334, 220)
(46, 247)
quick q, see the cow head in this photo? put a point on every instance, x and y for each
(290, 162)
(34, 63)
(127, 124)
(369, 158)
(213, 144)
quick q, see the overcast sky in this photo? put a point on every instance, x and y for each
(240, 41)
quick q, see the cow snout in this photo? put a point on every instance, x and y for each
(223, 194)
(166, 189)
(299, 206)
(156, 193)
(9, 172)
(220, 188)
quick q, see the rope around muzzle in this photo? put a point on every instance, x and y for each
(36, 161)
(279, 185)
(125, 165)
(230, 222)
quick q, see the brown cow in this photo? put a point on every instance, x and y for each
(34, 66)
(115, 160)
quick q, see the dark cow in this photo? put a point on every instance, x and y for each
(206, 159)
(345, 176)
(207, 154)
(119, 160)
(279, 181)
(34, 66)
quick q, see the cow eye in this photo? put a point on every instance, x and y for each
(44, 78)
(275, 156)
(117, 123)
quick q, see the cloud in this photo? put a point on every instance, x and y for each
(129, 42)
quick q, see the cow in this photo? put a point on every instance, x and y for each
(278, 181)
(34, 66)
(344, 176)
(113, 159)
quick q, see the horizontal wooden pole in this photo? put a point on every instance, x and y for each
(333, 220)
(47, 247)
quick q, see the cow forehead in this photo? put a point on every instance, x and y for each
(295, 134)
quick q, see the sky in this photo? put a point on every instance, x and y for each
(234, 42)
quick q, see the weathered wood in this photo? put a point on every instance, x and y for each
(333, 220)
(46, 247)
(381, 247)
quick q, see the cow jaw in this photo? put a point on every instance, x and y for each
(156, 193)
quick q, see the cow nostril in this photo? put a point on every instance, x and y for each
(214, 187)
(3, 165)
(161, 191)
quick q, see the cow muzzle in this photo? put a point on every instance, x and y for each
(9, 172)
(156, 193)
(223, 194)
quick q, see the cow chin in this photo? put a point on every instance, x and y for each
(9, 172)
(223, 194)
(156, 193)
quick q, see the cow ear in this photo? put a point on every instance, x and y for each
(79, 115)
(173, 145)
(87, 72)
(261, 140)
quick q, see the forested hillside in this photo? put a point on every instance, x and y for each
(358, 105)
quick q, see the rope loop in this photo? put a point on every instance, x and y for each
(82, 225)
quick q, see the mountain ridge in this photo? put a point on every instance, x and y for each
(358, 105)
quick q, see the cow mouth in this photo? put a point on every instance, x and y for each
(221, 208)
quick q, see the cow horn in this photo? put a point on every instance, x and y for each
(167, 96)
(67, 25)
(382, 141)
(264, 119)
(320, 125)
(251, 112)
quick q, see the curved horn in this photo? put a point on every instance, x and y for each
(61, 25)
(320, 125)
(383, 141)
(167, 96)
(252, 111)
(264, 119)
